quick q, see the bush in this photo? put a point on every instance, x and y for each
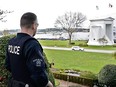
(107, 75)
(4, 73)
(83, 44)
(88, 74)
(114, 55)
(50, 75)
(114, 45)
(3, 42)
(72, 43)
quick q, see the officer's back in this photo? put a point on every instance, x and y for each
(24, 56)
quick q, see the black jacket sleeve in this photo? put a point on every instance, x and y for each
(35, 63)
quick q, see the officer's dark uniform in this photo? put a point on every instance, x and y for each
(25, 61)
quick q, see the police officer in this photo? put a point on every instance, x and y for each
(24, 56)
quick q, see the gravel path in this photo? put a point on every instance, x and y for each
(69, 84)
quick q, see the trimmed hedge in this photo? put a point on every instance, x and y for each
(75, 79)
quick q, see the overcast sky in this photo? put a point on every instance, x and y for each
(48, 10)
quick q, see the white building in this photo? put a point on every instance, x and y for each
(101, 29)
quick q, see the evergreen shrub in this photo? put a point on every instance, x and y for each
(107, 75)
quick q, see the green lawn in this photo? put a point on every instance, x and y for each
(85, 61)
(64, 43)
(102, 47)
(59, 43)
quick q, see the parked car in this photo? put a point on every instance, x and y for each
(77, 48)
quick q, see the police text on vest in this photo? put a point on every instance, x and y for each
(14, 49)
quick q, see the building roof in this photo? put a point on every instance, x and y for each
(104, 19)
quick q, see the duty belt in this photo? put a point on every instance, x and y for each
(15, 83)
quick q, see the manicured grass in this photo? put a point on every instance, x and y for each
(60, 43)
(85, 61)
(64, 43)
(102, 47)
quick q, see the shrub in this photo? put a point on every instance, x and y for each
(50, 75)
(107, 75)
(88, 74)
(114, 45)
(4, 73)
(114, 55)
(3, 42)
(72, 43)
(83, 44)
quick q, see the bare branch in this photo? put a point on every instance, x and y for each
(70, 22)
(3, 14)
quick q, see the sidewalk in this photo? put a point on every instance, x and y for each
(69, 84)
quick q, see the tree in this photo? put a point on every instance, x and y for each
(3, 14)
(5, 32)
(69, 22)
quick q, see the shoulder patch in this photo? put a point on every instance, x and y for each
(37, 62)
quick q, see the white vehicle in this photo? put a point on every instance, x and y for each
(77, 48)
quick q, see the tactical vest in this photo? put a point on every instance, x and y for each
(19, 69)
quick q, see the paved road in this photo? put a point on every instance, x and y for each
(86, 50)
